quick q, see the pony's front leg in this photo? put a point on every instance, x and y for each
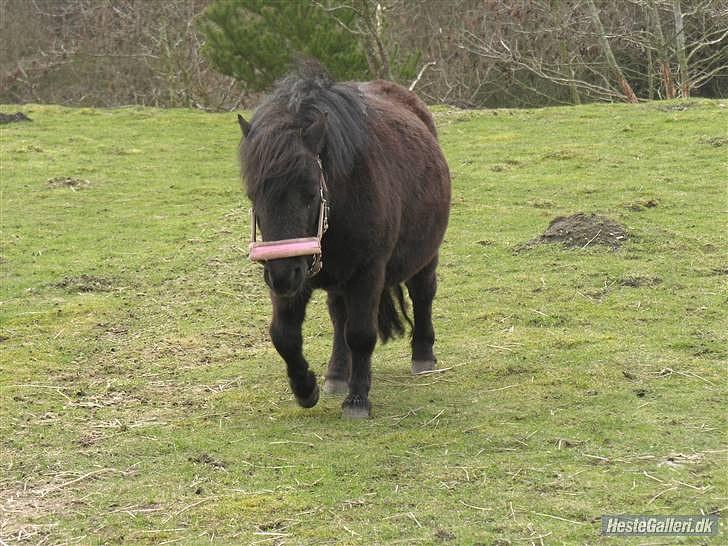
(362, 306)
(285, 331)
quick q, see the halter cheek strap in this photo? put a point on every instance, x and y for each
(288, 248)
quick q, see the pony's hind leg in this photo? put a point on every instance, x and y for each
(285, 331)
(422, 288)
(337, 375)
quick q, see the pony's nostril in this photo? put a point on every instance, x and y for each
(284, 278)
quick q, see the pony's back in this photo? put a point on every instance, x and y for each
(396, 93)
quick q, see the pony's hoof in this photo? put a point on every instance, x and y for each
(336, 387)
(420, 366)
(356, 407)
(311, 400)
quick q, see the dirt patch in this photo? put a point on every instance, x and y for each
(22, 506)
(13, 118)
(638, 206)
(582, 230)
(206, 458)
(443, 535)
(679, 107)
(68, 182)
(541, 203)
(637, 282)
(85, 283)
(567, 443)
(112, 332)
(716, 141)
(560, 155)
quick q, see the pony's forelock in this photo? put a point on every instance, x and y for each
(274, 148)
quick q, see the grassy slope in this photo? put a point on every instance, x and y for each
(158, 410)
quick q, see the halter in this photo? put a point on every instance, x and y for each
(289, 248)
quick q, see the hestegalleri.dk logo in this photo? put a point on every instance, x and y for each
(626, 525)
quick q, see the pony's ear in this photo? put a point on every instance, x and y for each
(244, 125)
(313, 136)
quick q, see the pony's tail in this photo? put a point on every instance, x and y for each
(390, 317)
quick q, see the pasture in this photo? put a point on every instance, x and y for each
(142, 401)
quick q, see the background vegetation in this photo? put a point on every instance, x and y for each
(468, 53)
(254, 41)
(142, 402)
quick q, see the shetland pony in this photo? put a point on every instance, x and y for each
(351, 194)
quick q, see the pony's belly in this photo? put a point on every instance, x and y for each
(414, 252)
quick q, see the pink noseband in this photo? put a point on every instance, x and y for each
(287, 248)
(290, 248)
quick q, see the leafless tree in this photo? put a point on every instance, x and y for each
(462, 52)
(108, 52)
(603, 40)
(599, 51)
(689, 39)
(367, 28)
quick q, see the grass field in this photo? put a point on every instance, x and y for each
(142, 401)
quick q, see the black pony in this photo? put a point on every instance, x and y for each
(361, 159)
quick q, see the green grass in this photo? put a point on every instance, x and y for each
(144, 403)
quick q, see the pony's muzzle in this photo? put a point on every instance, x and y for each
(285, 276)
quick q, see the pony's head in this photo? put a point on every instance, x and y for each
(284, 182)
(307, 122)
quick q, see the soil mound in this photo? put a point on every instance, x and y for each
(68, 182)
(85, 283)
(638, 281)
(582, 230)
(11, 118)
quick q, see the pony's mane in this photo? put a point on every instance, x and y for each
(273, 149)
